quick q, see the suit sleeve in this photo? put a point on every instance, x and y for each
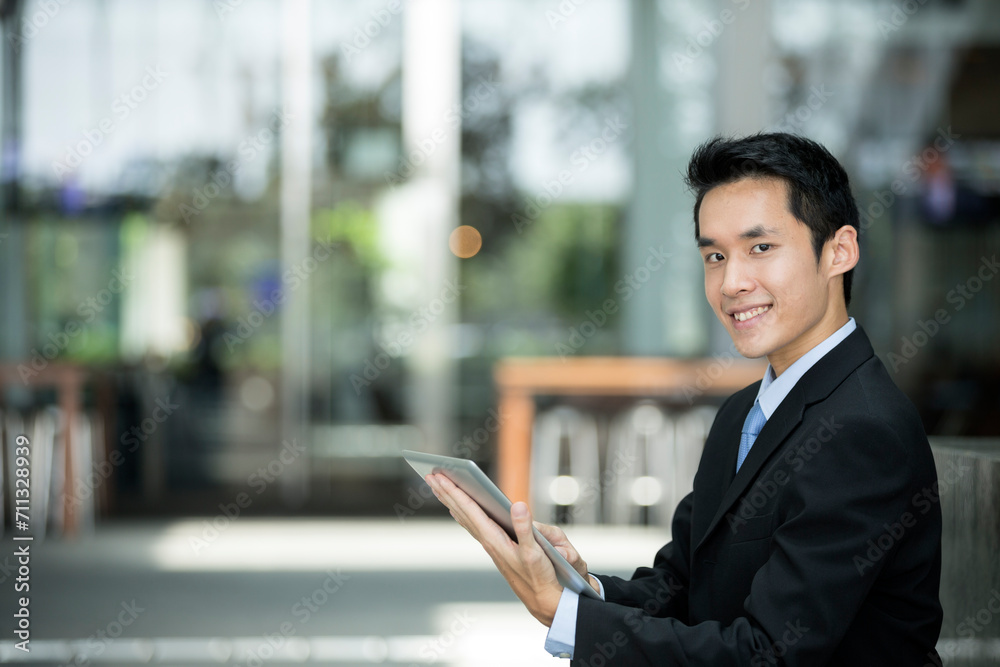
(809, 590)
(660, 590)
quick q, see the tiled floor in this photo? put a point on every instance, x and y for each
(277, 592)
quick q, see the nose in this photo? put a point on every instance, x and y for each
(736, 279)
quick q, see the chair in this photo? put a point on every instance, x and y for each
(639, 466)
(566, 466)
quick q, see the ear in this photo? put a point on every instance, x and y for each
(843, 250)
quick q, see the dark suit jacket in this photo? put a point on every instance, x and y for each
(825, 548)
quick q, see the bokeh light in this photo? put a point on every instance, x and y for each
(465, 241)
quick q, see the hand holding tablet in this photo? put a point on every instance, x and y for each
(468, 477)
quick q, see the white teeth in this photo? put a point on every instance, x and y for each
(743, 317)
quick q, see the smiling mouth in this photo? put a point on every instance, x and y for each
(750, 314)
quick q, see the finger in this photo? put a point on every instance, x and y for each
(452, 501)
(429, 478)
(551, 533)
(569, 553)
(454, 497)
(536, 569)
(469, 514)
(558, 539)
(457, 502)
(521, 516)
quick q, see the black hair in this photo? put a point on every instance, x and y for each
(819, 195)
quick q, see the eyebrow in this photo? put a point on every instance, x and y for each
(755, 232)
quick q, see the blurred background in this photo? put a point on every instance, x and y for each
(250, 250)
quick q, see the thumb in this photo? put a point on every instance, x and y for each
(520, 515)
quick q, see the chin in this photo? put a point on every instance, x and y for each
(751, 349)
(750, 352)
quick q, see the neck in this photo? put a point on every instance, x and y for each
(828, 324)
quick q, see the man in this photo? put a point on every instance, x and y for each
(809, 537)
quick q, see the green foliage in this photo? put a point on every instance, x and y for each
(563, 263)
(353, 225)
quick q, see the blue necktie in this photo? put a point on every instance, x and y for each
(751, 427)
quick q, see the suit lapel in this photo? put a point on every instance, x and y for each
(718, 465)
(815, 385)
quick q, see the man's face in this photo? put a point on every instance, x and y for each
(761, 274)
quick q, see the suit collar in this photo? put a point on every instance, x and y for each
(814, 386)
(827, 373)
(773, 390)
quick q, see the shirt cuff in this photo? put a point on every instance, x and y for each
(600, 587)
(561, 639)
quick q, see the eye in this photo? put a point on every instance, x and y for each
(764, 247)
(713, 257)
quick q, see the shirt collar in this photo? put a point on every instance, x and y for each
(774, 389)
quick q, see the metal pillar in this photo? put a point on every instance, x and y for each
(13, 342)
(296, 206)
(666, 316)
(432, 86)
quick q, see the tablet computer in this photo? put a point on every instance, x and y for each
(466, 475)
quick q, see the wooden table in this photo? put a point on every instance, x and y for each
(520, 380)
